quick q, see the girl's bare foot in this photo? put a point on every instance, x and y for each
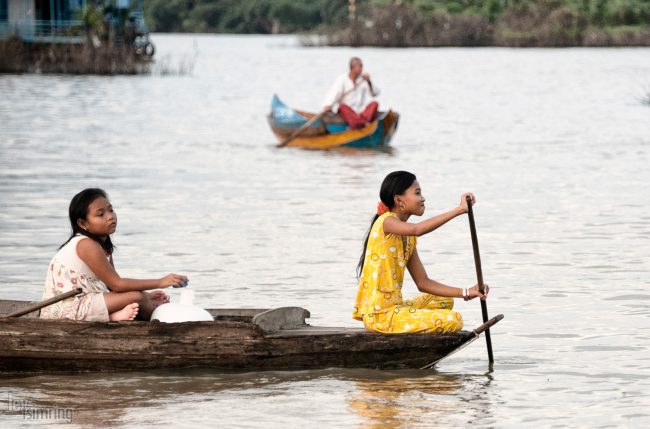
(127, 313)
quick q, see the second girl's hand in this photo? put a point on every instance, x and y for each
(173, 280)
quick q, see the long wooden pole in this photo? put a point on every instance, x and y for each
(45, 303)
(479, 275)
(300, 130)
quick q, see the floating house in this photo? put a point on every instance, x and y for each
(62, 21)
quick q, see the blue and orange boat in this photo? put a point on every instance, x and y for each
(329, 131)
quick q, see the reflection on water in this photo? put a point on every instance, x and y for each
(375, 399)
(554, 143)
(417, 399)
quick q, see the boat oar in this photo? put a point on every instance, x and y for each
(477, 333)
(312, 120)
(479, 276)
(300, 130)
(45, 303)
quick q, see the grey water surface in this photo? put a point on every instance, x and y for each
(553, 142)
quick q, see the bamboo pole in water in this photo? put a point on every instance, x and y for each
(479, 275)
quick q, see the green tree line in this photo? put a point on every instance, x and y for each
(597, 12)
(242, 16)
(289, 16)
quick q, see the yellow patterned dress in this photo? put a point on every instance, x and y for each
(379, 301)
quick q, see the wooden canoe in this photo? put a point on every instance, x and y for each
(330, 131)
(237, 339)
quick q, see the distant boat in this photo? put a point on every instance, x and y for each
(237, 339)
(330, 131)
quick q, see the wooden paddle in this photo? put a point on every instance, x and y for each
(300, 130)
(312, 120)
(45, 303)
(479, 275)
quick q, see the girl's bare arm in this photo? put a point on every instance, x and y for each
(393, 225)
(93, 255)
(432, 287)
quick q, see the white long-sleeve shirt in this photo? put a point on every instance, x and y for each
(357, 99)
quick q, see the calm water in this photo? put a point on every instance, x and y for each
(554, 143)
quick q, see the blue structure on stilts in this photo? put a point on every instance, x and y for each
(63, 21)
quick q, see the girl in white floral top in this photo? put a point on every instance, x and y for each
(86, 261)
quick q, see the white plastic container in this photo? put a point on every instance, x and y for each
(185, 311)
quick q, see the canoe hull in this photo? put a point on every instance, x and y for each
(38, 345)
(377, 134)
(237, 339)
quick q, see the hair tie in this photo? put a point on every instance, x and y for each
(381, 208)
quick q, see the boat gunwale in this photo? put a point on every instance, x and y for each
(235, 318)
(154, 328)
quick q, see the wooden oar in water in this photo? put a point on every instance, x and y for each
(312, 120)
(477, 332)
(300, 130)
(479, 275)
(45, 303)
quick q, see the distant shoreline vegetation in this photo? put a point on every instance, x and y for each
(17, 56)
(416, 23)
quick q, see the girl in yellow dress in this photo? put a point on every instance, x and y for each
(389, 248)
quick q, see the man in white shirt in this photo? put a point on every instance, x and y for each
(354, 94)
